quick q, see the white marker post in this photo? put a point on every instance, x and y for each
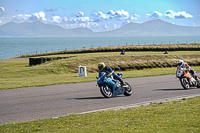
(82, 71)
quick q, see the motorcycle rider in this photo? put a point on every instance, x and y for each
(182, 64)
(123, 52)
(109, 71)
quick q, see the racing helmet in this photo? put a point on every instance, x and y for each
(180, 63)
(101, 66)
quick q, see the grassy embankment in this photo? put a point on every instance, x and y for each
(17, 73)
(170, 117)
(166, 47)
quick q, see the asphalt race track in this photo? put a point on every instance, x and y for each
(25, 104)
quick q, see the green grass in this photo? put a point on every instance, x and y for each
(18, 73)
(131, 59)
(169, 117)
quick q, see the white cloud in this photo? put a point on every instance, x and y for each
(169, 14)
(79, 14)
(121, 15)
(4, 20)
(83, 19)
(56, 19)
(134, 17)
(154, 15)
(72, 20)
(2, 10)
(99, 21)
(90, 25)
(111, 12)
(100, 16)
(118, 15)
(40, 16)
(21, 18)
(183, 14)
(177, 15)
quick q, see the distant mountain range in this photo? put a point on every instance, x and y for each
(39, 29)
(150, 28)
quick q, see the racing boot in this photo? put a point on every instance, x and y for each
(195, 76)
(123, 84)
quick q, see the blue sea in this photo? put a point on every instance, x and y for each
(11, 47)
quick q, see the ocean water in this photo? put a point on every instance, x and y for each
(11, 47)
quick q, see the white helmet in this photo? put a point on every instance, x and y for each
(180, 63)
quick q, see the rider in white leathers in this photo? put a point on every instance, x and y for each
(182, 64)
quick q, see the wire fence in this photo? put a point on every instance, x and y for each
(99, 46)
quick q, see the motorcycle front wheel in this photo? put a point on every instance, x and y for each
(106, 91)
(198, 83)
(185, 83)
(128, 90)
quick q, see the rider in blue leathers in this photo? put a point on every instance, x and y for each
(109, 71)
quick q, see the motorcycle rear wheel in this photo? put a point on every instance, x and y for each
(128, 91)
(106, 92)
(185, 84)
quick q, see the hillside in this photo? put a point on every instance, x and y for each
(149, 28)
(153, 28)
(39, 29)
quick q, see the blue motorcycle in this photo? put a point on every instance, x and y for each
(110, 87)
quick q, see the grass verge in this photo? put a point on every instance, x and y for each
(174, 116)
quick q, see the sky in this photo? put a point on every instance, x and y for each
(100, 15)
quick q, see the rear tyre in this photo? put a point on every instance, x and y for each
(128, 91)
(185, 83)
(198, 83)
(106, 91)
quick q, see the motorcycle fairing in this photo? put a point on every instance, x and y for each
(114, 84)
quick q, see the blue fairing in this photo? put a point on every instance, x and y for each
(120, 74)
(101, 73)
(109, 81)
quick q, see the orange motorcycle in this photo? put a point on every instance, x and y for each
(186, 79)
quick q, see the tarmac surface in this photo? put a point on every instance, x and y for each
(26, 104)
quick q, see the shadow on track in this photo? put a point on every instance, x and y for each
(175, 89)
(178, 89)
(85, 98)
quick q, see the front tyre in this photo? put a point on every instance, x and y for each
(128, 90)
(185, 83)
(198, 83)
(106, 91)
